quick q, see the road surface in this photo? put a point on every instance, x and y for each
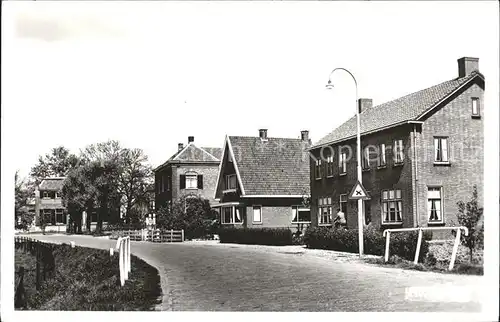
(200, 277)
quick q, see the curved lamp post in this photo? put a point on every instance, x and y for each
(358, 155)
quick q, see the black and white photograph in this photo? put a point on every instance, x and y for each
(281, 157)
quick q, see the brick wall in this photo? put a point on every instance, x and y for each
(374, 180)
(466, 153)
(174, 171)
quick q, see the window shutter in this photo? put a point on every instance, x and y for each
(200, 181)
(182, 183)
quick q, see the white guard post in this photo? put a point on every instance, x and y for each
(123, 247)
(387, 234)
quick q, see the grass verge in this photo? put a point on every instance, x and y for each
(398, 262)
(88, 279)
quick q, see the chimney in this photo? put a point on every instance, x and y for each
(466, 65)
(181, 146)
(364, 104)
(304, 135)
(263, 134)
(190, 139)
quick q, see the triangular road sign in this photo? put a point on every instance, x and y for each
(358, 192)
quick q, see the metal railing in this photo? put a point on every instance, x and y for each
(387, 234)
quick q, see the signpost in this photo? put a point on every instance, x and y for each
(359, 193)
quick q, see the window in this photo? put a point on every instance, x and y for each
(440, 149)
(231, 181)
(366, 158)
(475, 107)
(231, 215)
(57, 195)
(329, 166)
(391, 206)
(367, 211)
(343, 162)
(398, 151)
(168, 183)
(191, 181)
(152, 205)
(325, 211)
(381, 156)
(162, 183)
(343, 203)
(435, 204)
(300, 215)
(257, 214)
(60, 217)
(45, 194)
(317, 169)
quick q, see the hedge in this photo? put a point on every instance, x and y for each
(403, 244)
(256, 236)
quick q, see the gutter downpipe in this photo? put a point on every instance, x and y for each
(415, 179)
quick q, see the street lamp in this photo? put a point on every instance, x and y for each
(358, 156)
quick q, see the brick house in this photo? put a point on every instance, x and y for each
(421, 153)
(48, 202)
(190, 171)
(262, 181)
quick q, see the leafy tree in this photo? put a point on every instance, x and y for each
(56, 163)
(193, 214)
(23, 218)
(135, 176)
(469, 215)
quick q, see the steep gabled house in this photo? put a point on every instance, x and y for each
(421, 153)
(262, 181)
(192, 170)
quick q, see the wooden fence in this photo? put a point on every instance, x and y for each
(155, 235)
(44, 268)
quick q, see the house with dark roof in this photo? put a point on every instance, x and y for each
(263, 181)
(191, 171)
(421, 154)
(48, 203)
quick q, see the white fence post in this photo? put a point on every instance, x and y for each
(182, 235)
(387, 241)
(171, 234)
(419, 241)
(111, 251)
(455, 249)
(121, 261)
(129, 256)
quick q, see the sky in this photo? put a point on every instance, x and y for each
(151, 74)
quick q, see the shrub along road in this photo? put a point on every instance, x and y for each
(204, 277)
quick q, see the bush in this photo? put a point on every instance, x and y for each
(256, 236)
(402, 244)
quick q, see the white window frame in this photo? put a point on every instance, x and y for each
(228, 180)
(195, 180)
(392, 197)
(295, 214)
(441, 208)
(399, 152)
(325, 211)
(381, 160)
(234, 213)
(366, 159)
(317, 170)
(329, 166)
(475, 105)
(343, 163)
(260, 214)
(441, 155)
(45, 195)
(343, 201)
(60, 212)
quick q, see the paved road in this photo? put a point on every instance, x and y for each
(198, 277)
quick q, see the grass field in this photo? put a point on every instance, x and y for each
(88, 279)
